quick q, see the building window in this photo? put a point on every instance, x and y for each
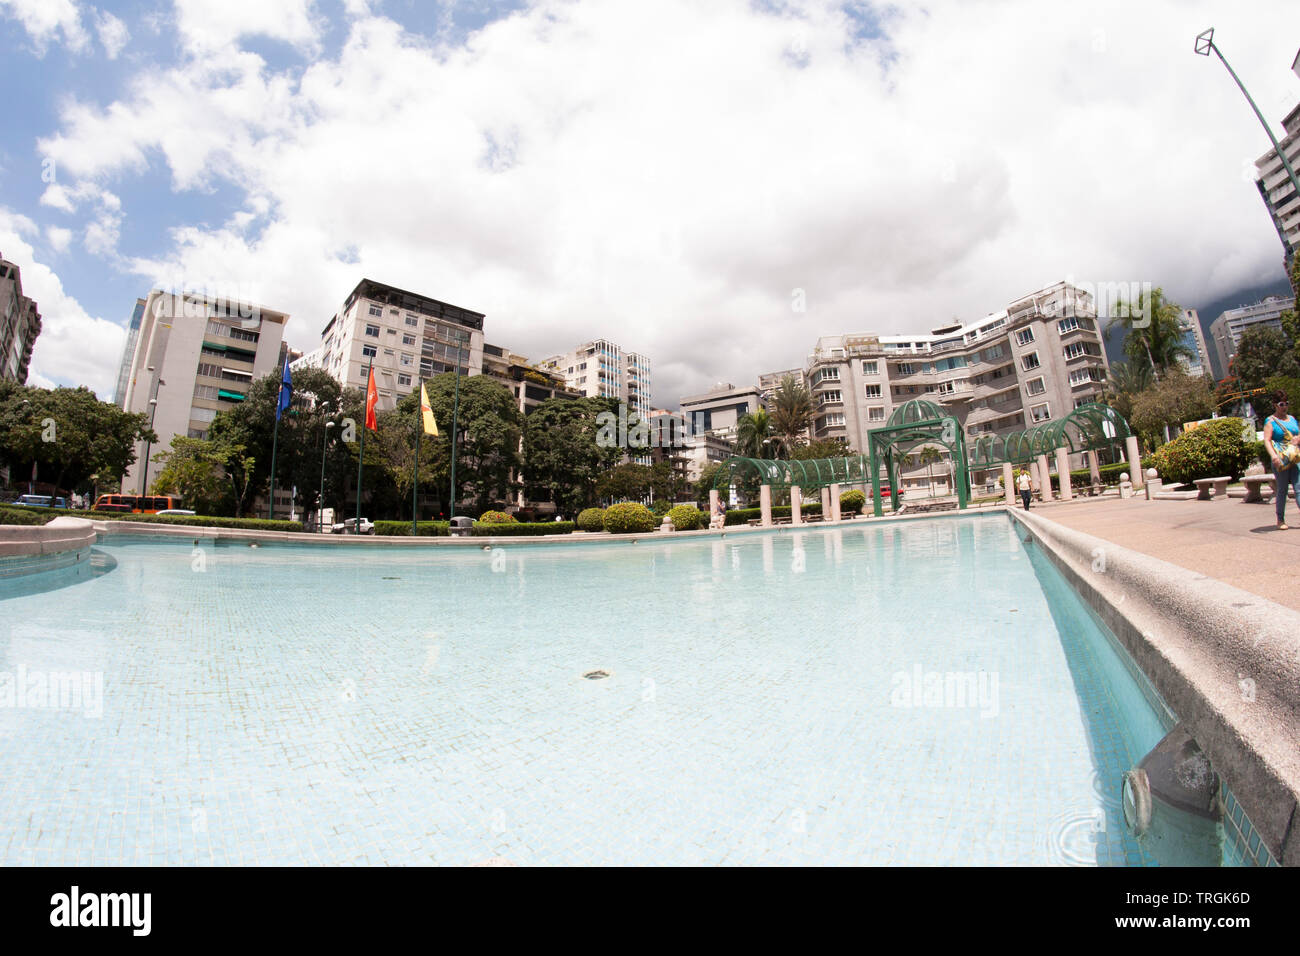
(1067, 325)
(1040, 413)
(369, 351)
(408, 339)
(994, 352)
(870, 368)
(403, 380)
(831, 397)
(1030, 361)
(1084, 400)
(376, 310)
(876, 413)
(906, 368)
(202, 414)
(372, 331)
(1036, 386)
(1076, 349)
(412, 320)
(406, 359)
(873, 391)
(208, 392)
(1025, 337)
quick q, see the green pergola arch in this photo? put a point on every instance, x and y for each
(1091, 427)
(916, 422)
(810, 475)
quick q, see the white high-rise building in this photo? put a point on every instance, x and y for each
(602, 369)
(1276, 188)
(190, 357)
(1226, 331)
(409, 337)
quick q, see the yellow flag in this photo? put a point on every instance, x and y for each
(430, 426)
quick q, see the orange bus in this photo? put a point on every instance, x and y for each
(137, 504)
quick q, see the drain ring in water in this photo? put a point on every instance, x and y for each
(596, 675)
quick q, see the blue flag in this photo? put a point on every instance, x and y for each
(286, 391)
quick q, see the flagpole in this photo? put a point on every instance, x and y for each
(455, 409)
(415, 487)
(361, 455)
(270, 511)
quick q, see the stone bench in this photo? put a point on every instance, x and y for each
(1209, 488)
(1255, 487)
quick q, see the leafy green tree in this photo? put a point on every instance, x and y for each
(929, 456)
(791, 411)
(1263, 404)
(627, 482)
(1261, 353)
(68, 433)
(823, 448)
(563, 459)
(488, 456)
(708, 475)
(193, 468)
(666, 483)
(1290, 318)
(1175, 399)
(1125, 382)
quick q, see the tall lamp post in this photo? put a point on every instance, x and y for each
(153, 410)
(1204, 44)
(320, 503)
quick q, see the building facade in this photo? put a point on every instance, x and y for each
(1033, 362)
(720, 408)
(193, 356)
(20, 324)
(1226, 331)
(1276, 188)
(602, 369)
(408, 336)
(1193, 339)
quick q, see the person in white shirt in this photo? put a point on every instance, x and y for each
(1026, 488)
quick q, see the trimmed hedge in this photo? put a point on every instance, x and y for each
(23, 516)
(496, 517)
(629, 517)
(852, 501)
(199, 521)
(1207, 451)
(686, 518)
(591, 519)
(520, 529)
(742, 515)
(397, 529)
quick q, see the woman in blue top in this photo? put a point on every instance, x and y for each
(1282, 438)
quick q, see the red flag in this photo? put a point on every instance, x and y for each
(372, 400)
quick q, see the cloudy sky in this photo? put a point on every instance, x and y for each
(673, 175)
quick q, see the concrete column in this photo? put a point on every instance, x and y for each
(765, 504)
(1134, 461)
(1045, 477)
(835, 501)
(1008, 483)
(826, 504)
(796, 506)
(713, 506)
(1063, 470)
(1094, 468)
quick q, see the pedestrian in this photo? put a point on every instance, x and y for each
(1026, 488)
(1282, 439)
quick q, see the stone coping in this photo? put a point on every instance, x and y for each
(55, 537)
(1226, 661)
(108, 530)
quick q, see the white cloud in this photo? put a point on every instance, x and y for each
(666, 175)
(74, 347)
(58, 237)
(112, 32)
(47, 21)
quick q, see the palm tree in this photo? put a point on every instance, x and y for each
(754, 437)
(929, 455)
(1152, 333)
(792, 411)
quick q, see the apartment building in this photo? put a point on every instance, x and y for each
(1226, 331)
(20, 324)
(128, 352)
(409, 336)
(1035, 361)
(602, 369)
(193, 356)
(1276, 188)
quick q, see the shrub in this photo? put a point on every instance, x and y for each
(592, 519)
(1207, 451)
(852, 501)
(200, 521)
(521, 529)
(25, 516)
(660, 508)
(686, 517)
(432, 529)
(628, 517)
(742, 515)
(496, 517)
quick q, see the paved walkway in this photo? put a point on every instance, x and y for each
(1227, 539)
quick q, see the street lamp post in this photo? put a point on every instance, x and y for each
(153, 410)
(1204, 44)
(320, 504)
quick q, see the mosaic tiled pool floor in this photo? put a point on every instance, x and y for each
(769, 701)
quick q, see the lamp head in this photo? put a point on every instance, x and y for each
(1205, 42)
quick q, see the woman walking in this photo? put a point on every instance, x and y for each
(1282, 439)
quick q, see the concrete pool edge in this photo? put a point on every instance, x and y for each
(32, 549)
(1226, 661)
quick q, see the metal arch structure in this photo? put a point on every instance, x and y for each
(811, 475)
(1091, 427)
(914, 423)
